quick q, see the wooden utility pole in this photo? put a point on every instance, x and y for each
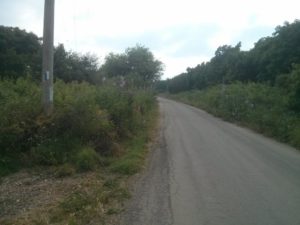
(47, 72)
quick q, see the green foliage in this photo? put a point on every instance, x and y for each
(75, 202)
(19, 108)
(65, 170)
(71, 66)
(129, 165)
(133, 160)
(137, 66)
(86, 159)
(21, 56)
(271, 105)
(270, 58)
(9, 164)
(290, 84)
(295, 134)
(275, 55)
(125, 108)
(20, 53)
(78, 115)
(119, 105)
(259, 106)
(115, 65)
(90, 204)
(84, 115)
(143, 63)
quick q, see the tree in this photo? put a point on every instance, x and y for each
(142, 62)
(275, 55)
(225, 64)
(20, 53)
(72, 66)
(266, 62)
(137, 66)
(115, 65)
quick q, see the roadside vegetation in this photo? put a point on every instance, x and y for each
(97, 135)
(88, 122)
(260, 107)
(259, 88)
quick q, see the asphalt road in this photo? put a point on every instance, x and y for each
(205, 171)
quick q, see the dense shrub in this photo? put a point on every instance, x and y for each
(126, 109)
(262, 107)
(291, 84)
(85, 117)
(78, 115)
(119, 105)
(54, 151)
(86, 159)
(19, 108)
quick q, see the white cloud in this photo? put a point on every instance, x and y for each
(176, 65)
(81, 24)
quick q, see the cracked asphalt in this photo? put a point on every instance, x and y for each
(205, 171)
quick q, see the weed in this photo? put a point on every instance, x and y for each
(86, 159)
(132, 160)
(75, 202)
(64, 170)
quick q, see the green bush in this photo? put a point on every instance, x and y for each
(291, 83)
(54, 151)
(78, 115)
(126, 109)
(65, 170)
(75, 202)
(119, 107)
(261, 107)
(84, 115)
(19, 108)
(295, 135)
(86, 159)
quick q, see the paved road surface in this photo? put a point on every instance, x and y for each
(209, 172)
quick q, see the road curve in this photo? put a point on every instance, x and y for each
(210, 172)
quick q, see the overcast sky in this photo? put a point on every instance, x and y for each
(180, 33)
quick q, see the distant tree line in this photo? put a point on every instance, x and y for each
(21, 56)
(271, 59)
(274, 61)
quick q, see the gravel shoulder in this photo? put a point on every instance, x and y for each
(150, 203)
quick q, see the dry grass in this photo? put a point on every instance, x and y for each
(87, 198)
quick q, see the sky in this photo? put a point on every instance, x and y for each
(180, 33)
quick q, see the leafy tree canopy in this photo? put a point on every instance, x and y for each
(270, 58)
(20, 53)
(136, 65)
(70, 66)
